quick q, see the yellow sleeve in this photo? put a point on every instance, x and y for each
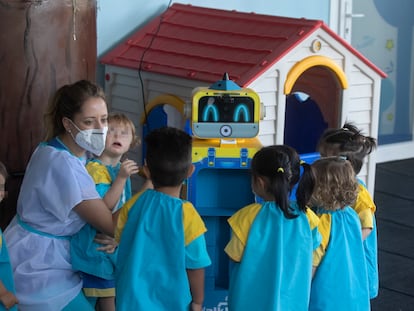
(324, 228)
(193, 224)
(366, 218)
(235, 248)
(365, 207)
(318, 255)
(312, 218)
(98, 172)
(240, 224)
(123, 216)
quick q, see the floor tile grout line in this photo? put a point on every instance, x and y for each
(394, 195)
(397, 291)
(396, 172)
(380, 249)
(387, 220)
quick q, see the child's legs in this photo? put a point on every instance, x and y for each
(100, 292)
(79, 303)
(92, 300)
(105, 304)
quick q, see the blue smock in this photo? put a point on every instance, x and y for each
(160, 236)
(340, 282)
(275, 269)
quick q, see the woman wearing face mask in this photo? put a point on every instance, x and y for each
(56, 199)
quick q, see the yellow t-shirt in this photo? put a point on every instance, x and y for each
(192, 222)
(98, 172)
(244, 219)
(324, 228)
(365, 207)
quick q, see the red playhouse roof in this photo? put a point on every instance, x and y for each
(202, 43)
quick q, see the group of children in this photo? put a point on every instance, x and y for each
(318, 253)
(315, 253)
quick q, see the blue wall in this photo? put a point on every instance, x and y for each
(385, 35)
(118, 19)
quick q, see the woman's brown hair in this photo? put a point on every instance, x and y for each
(68, 101)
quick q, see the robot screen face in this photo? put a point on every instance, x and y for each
(225, 116)
(226, 109)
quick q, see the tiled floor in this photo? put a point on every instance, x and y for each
(394, 197)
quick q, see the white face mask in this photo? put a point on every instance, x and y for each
(92, 140)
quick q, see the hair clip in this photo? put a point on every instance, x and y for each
(339, 157)
(280, 170)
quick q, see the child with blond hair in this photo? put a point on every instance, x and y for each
(112, 178)
(340, 280)
(349, 142)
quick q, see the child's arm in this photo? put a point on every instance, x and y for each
(365, 208)
(196, 256)
(128, 167)
(7, 298)
(108, 243)
(97, 214)
(314, 270)
(196, 280)
(365, 233)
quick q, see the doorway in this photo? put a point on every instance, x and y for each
(312, 105)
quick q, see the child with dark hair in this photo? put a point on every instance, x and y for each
(272, 242)
(349, 142)
(340, 280)
(8, 300)
(162, 251)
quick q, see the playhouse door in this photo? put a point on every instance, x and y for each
(313, 104)
(304, 122)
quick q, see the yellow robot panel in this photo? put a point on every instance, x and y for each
(225, 114)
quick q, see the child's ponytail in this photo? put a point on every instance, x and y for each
(280, 188)
(305, 187)
(279, 167)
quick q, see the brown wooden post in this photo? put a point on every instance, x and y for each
(43, 45)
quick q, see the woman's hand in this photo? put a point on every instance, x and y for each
(7, 298)
(108, 243)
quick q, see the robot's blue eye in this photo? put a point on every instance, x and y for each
(241, 110)
(210, 113)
